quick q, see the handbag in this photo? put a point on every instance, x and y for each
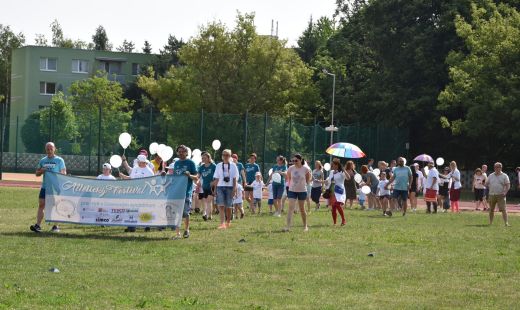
(339, 190)
(326, 194)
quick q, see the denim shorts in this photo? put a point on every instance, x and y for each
(400, 194)
(42, 193)
(270, 202)
(187, 208)
(225, 196)
(278, 191)
(297, 195)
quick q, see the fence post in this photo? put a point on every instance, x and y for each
(244, 154)
(290, 136)
(377, 144)
(265, 142)
(16, 147)
(50, 122)
(314, 141)
(201, 128)
(90, 146)
(2, 140)
(99, 141)
(150, 125)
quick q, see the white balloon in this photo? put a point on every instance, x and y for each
(197, 160)
(404, 159)
(277, 178)
(189, 153)
(154, 146)
(270, 171)
(439, 161)
(326, 166)
(125, 139)
(366, 190)
(167, 153)
(377, 172)
(196, 153)
(426, 170)
(116, 161)
(160, 149)
(216, 145)
(358, 178)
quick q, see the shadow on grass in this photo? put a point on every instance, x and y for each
(128, 237)
(477, 225)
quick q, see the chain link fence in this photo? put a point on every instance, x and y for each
(266, 135)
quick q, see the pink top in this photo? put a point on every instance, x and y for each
(298, 181)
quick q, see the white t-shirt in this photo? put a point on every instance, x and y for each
(257, 189)
(240, 194)
(455, 176)
(148, 163)
(105, 177)
(497, 183)
(381, 191)
(339, 181)
(226, 170)
(429, 180)
(138, 172)
(270, 190)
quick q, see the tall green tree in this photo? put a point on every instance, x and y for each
(9, 40)
(482, 100)
(100, 39)
(57, 34)
(315, 38)
(126, 46)
(88, 97)
(233, 71)
(147, 48)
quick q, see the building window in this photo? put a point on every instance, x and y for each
(136, 69)
(48, 64)
(79, 66)
(47, 88)
(111, 67)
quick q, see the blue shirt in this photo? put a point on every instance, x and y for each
(180, 167)
(55, 164)
(206, 174)
(251, 170)
(240, 167)
(281, 169)
(401, 178)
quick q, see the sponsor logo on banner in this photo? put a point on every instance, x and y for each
(119, 210)
(102, 220)
(117, 219)
(145, 217)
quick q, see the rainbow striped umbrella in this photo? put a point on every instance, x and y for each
(424, 158)
(345, 150)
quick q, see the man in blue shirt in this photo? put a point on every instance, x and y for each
(51, 163)
(185, 166)
(251, 169)
(402, 178)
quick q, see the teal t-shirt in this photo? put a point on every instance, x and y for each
(401, 177)
(240, 167)
(206, 174)
(55, 164)
(281, 169)
(251, 170)
(182, 166)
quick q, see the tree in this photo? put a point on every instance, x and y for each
(100, 40)
(40, 40)
(127, 46)
(30, 133)
(57, 34)
(8, 42)
(168, 56)
(62, 127)
(87, 96)
(233, 71)
(314, 38)
(147, 48)
(481, 101)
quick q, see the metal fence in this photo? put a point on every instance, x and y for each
(266, 135)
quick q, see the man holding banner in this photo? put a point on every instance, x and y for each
(187, 167)
(53, 163)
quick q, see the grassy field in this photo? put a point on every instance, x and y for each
(420, 261)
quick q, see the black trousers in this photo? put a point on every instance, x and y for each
(429, 206)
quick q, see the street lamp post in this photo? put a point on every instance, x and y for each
(331, 128)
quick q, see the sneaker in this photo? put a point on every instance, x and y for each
(147, 229)
(130, 229)
(285, 229)
(177, 237)
(55, 229)
(197, 210)
(36, 228)
(210, 218)
(205, 218)
(186, 234)
(343, 223)
(306, 229)
(242, 216)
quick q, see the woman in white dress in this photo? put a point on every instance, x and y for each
(338, 175)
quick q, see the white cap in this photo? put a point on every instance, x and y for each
(141, 158)
(107, 166)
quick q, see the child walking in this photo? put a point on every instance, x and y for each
(270, 200)
(258, 186)
(238, 201)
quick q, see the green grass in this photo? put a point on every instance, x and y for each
(421, 261)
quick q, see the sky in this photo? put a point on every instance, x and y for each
(154, 20)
